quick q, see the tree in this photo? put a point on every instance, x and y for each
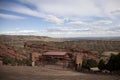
(114, 63)
(84, 64)
(92, 63)
(101, 64)
(89, 63)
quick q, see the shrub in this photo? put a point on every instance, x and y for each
(6, 60)
(84, 64)
(24, 62)
(114, 63)
(101, 64)
(28, 62)
(89, 63)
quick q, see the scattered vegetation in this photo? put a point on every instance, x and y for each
(32, 43)
(11, 61)
(113, 64)
(87, 64)
(7, 60)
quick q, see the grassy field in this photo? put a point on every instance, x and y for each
(43, 73)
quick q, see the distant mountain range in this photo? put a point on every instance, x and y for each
(92, 38)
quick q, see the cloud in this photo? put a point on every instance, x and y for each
(116, 14)
(117, 11)
(94, 23)
(8, 16)
(20, 9)
(95, 18)
(76, 23)
(66, 29)
(52, 18)
(66, 7)
(21, 32)
(101, 22)
(115, 29)
(77, 8)
(96, 31)
(62, 31)
(27, 11)
(52, 11)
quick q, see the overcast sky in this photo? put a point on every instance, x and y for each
(60, 18)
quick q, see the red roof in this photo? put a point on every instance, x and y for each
(55, 53)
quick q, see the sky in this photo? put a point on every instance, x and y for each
(60, 18)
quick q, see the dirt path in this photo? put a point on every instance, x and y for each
(42, 73)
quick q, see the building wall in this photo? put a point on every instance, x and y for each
(36, 59)
(78, 62)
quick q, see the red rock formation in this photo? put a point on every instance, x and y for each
(9, 51)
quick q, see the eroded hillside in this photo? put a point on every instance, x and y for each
(41, 44)
(9, 51)
(92, 45)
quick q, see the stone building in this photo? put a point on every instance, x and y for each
(61, 59)
(56, 58)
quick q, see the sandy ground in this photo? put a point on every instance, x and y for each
(43, 73)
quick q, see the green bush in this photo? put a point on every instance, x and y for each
(6, 60)
(28, 62)
(89, 63)
(114, 63)
(24, 62)
(84, 64)
(92, 63)
(101, 64)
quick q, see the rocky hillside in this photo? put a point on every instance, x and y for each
(92, 45)
(43, 47)
(8, 51)
(18, 41)
(29, 44)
